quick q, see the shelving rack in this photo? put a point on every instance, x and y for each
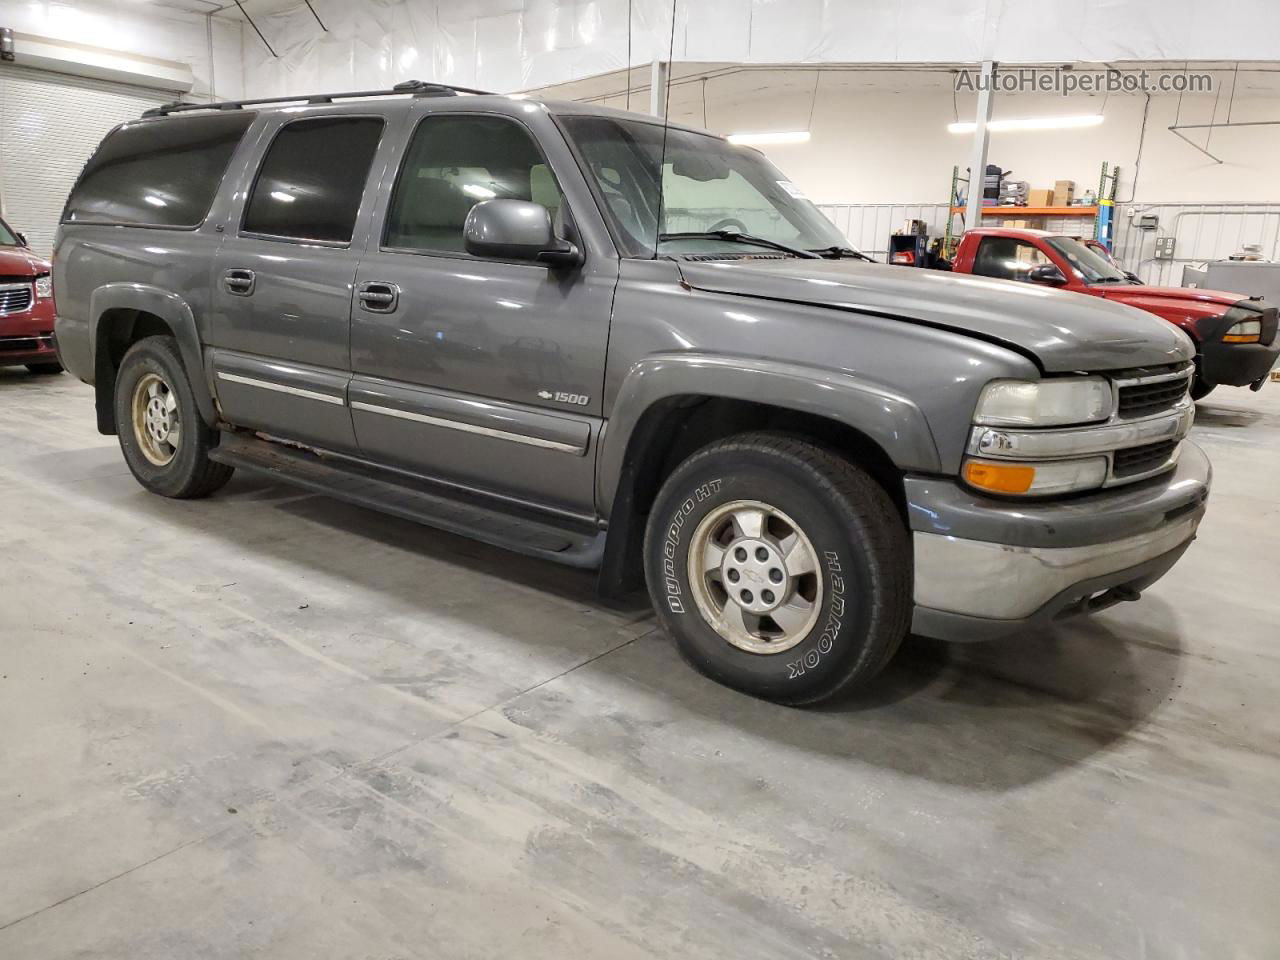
(1100, 213)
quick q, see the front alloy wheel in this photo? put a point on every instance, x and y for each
(754, 576)
(781, 568)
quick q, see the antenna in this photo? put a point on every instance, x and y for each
(666, 126)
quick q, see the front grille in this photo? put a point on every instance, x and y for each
(14, 298)
(1145, 399)
(1138, 460)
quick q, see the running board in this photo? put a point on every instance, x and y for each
(350, 480)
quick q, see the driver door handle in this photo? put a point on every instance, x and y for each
(378, 296)
(239, 281)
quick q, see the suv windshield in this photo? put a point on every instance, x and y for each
(1094, 267)
(7, 236)
(707, 185)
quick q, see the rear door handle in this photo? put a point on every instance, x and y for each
(378, 296)
(239, 281)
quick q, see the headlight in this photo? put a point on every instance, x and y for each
(1036, 479)
(1246, 331)
(44, 287)
(1044, 403)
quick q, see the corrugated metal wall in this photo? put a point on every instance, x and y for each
(49, 125)
(1202, 231)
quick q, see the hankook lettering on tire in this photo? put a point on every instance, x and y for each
(835, 617)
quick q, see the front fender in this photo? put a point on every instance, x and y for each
(170, 308)
(888, 418)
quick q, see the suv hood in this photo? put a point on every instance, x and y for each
(1063, 331)
(21, 262)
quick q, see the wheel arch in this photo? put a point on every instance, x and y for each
(124, 313)
(674, 406)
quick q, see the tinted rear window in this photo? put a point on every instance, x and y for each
(157, 172)
(312, 179)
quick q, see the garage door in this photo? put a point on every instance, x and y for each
(49, 124)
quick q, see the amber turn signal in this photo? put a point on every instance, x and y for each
(1242, 338)
(999, 477)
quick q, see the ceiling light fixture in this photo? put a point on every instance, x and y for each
(1031, 123)
(760, 139)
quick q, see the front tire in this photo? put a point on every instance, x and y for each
(781, 569)
(164, 441)
(1200, 389)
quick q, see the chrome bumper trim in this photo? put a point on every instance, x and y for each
(996, 581)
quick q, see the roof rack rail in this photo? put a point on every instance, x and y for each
(416, 88)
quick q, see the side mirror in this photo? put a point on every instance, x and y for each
(22, 239)
(1047, 274)
(516, 230)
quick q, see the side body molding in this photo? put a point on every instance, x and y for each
(888, 418)
(170, 308)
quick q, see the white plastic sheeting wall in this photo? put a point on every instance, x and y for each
(143, 30)
(509, 45)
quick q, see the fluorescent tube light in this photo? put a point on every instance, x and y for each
(788, 136)
(1031, 123)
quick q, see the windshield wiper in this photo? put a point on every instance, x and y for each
(837, 253)
(735, 237)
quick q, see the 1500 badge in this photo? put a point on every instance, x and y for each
(577, 399)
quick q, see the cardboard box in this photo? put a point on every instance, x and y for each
(1039, 198)
(1064, 191)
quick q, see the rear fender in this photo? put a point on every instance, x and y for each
(175, 312)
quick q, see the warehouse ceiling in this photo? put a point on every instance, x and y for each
(738, 82)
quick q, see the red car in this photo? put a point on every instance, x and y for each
(1235, 335)
(26, 307)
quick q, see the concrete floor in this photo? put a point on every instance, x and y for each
(269, 724)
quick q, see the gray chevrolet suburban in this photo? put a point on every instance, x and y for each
(583, 335)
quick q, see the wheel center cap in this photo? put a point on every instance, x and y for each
(754, 575)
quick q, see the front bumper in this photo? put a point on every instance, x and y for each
(34, 348)
(1237, 364)
(985, 568)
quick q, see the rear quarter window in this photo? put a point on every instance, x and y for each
(157, 172)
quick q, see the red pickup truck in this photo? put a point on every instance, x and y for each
(26, 307)
(1235, 335)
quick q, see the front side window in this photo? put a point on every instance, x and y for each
(454, 162)
(706, 184)
(7, 237)
(1007, 258)
(312, 179)
(161, 172)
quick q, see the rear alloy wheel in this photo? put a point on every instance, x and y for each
(780, 568)
(157, 424)
(163, 439)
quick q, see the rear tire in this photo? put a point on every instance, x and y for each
(780, 569)
(44, 368)
(164, 441)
